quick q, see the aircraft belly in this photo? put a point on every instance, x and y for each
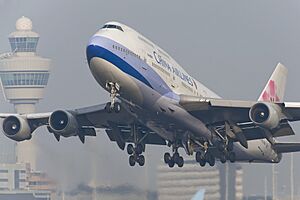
(104, 72)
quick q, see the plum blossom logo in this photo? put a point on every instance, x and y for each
(270, 93)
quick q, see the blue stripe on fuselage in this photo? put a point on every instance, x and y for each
(97, 51)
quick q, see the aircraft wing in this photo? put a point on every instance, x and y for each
(292, 110)
(286, 147)
(116, 125)
(211, 111)
(215, 112)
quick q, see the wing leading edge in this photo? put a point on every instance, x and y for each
(116, 125)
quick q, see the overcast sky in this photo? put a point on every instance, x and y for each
(230, 46)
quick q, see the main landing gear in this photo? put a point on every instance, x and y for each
(135, 150)
(208, 154)
(175, 158)
(205, 156)
(135, 154)
(226, 152)
(113, 106)
(172, 160)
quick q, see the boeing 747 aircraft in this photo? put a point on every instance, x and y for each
(155, 101)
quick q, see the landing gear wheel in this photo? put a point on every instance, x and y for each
(232, 157)
(210, 159)
(198, 156)
(221, 147)
(139, 149)
(171, 163)
(117, 107)
(180, 161)
(108, 107)
(202, 162)
(176, 157)
(131, 161)
(230, 146)
(223, 159)
(167, 158)
(130, 149)
(141, 160)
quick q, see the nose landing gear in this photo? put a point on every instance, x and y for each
(114, 89)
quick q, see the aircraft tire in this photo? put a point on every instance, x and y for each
(141, 160)
(198, 156)
(117, 107)
(210, 159)
(180, 162)
(130, 149)
(131, 160)
(167, 157)
(221, 146)
(232, 157)
(223, 159)
(139, 149)
(108, 108)
(171, 163)
(230, 146)
(202, 162)
(176, 157)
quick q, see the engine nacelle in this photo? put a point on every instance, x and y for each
(16, 128)
(63, 123)
(266, 115)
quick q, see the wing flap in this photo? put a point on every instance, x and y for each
(125, 135)
(253, 132)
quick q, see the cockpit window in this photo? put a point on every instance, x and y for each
(113, 26)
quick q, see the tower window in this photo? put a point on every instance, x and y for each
(23, 44)
(24, 79)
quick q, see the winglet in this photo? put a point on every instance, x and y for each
(275, 87)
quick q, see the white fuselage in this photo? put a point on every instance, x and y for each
(153, 80)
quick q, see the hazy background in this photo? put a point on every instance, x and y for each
(230, 46)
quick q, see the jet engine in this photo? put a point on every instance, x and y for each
(63, 123)
(266, 115)
(16, 128)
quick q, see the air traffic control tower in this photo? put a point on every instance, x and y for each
(24, 76)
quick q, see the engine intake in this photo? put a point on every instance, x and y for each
(16, 128)
(63, 123)
(266, 115)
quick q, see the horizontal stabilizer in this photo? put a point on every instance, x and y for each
(286, 147)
